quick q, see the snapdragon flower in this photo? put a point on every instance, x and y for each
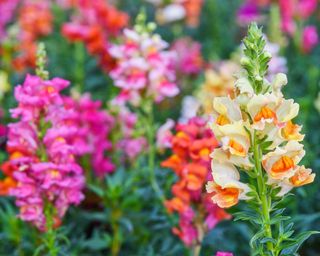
(144, 68)
(190, 161)
(42, 155)
(258, 138)
(94, 24)
(7, 9)
(94, 127)
(34, 21)
(189, 60)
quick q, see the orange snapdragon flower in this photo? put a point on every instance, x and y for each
(8, 182)
(96, 22)
(190, 160)
(34, 21)
(193, 11)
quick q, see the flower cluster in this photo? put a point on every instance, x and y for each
(95, 23)
(35, 21)
(144, 68)
(292, 13)
(191, 146)
(189, 61)
(220, 80)
(292, 10)
(253, 127)
(176, 10)
(93, 135)
(41, 152)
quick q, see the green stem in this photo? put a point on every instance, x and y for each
(50, 237)
(196, 249)
(116, 240)
(152, 151)
(264, 197)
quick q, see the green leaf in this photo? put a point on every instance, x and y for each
(279, 219)
(293, 247)
(97, 190)
(257, 236)
(246, 216)
(268, 239)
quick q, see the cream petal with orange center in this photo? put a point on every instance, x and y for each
(226, 175)
(233, 137)
(277, 135)
(224, 106)
(223, 197)
(262, 110)
(281, 163)
(302, 176)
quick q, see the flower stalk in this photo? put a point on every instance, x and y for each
(259, 140)
(262, 191)
(150, 128)
(51, 234)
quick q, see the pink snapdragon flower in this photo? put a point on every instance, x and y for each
(187, 232)
(94, 127)
(7, 9)
(144, 67)
(189, 60)
(224, 254)
(248, 12)
(42, 152)
(3, 128)
(310, 38)
(295, 9)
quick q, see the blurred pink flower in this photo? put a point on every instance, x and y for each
(131, 144)
(144, 68)
(248, 12)
(310, 38)
(94, 126)
(7, 8)
(164, 134)
(41, 151)
(132, 147)
(224, 254)
(306, 8)
(187, 232)
(295, 9)
(189, 60)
